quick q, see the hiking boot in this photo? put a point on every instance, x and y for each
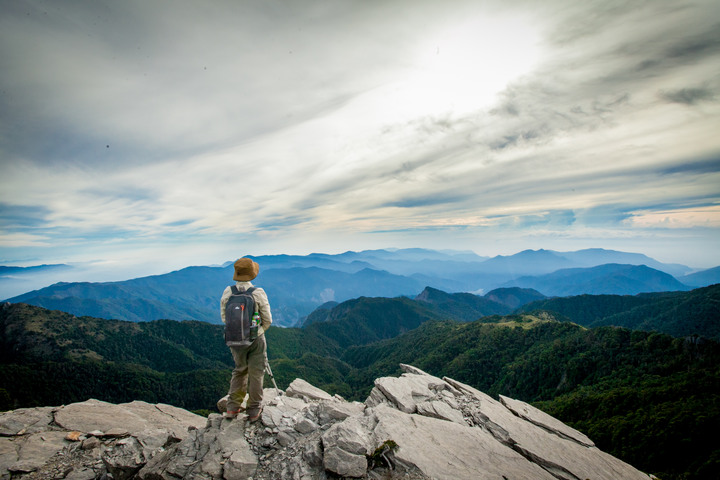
(233, 413)
(254, 415)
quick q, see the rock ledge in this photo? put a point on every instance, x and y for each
(414, 426)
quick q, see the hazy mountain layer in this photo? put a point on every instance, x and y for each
(604, 279)
(297, 285)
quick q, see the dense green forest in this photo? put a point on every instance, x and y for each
(676, 313)
(646, 397)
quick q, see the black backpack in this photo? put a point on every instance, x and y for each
(241, 318)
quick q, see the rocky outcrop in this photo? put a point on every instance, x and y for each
(416, 426)
(87, 440)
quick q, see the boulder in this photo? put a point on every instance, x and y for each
(442, 449)
(441, 410)
(299, 388)
(220, 450)
(339, 410)
(25, 420)
(543, 420)
(313, 453)
(343, 463)
(285, 411)
(306, 425)
(129, 417)
(34, 450)
(408, 390)
(125, 459)
(565, 458)
(8, 455)
(354, 435)
(43, 439)
(97, 415)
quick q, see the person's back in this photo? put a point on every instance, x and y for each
(249, 371)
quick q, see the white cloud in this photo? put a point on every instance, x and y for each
(322, 123)
(16, 239)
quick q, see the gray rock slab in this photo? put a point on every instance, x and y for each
(566, 458)
(441, 410)
(282, 411)
(305, 426)
(97, 415)
(81, 474)
(542, 419)
(272, 394)
(132, 417)
(410, 389)
(241, 462)
(35, 450)
(352, 435)
(90, 443)
(285, 438)
(411, 369)
(241, 465)
(344, 463)
(271, 416)
(300, 388)
(173, 463)
(340, 410)
(313, 454)
(25, 420)
(376, 397)
(8, 455)
(446, 450)
(115, 432)
(124, 459)
(290, 405)
(152, 440)
(164, 416)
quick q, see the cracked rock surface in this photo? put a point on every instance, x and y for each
(415, 426)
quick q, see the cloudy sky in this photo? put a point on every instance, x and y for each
(160, 134)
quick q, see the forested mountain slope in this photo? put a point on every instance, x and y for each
(696, 312)
(464, 307)
(651, 399)
(646, 397)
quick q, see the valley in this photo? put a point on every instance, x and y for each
(647, 397)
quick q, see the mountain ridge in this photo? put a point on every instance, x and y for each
(678, 314)
(608, 278)
(299, 284)
(532, 357)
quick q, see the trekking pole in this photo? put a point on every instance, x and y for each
(268, 370)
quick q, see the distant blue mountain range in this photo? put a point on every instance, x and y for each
(611, 278)
(297, 285)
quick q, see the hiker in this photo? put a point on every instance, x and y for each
(250, 359)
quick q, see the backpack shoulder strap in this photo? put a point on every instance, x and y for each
(250, 291)
(235, 290)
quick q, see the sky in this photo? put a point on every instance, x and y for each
(137, 136)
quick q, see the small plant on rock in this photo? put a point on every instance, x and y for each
(380, 457)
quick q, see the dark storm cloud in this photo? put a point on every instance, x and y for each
(688, 96)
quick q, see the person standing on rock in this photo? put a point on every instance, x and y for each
(249, 371)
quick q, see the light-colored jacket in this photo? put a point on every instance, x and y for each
(261, 301)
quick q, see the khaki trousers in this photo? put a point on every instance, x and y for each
(248, 375)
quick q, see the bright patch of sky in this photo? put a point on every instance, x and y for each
(155, 135)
